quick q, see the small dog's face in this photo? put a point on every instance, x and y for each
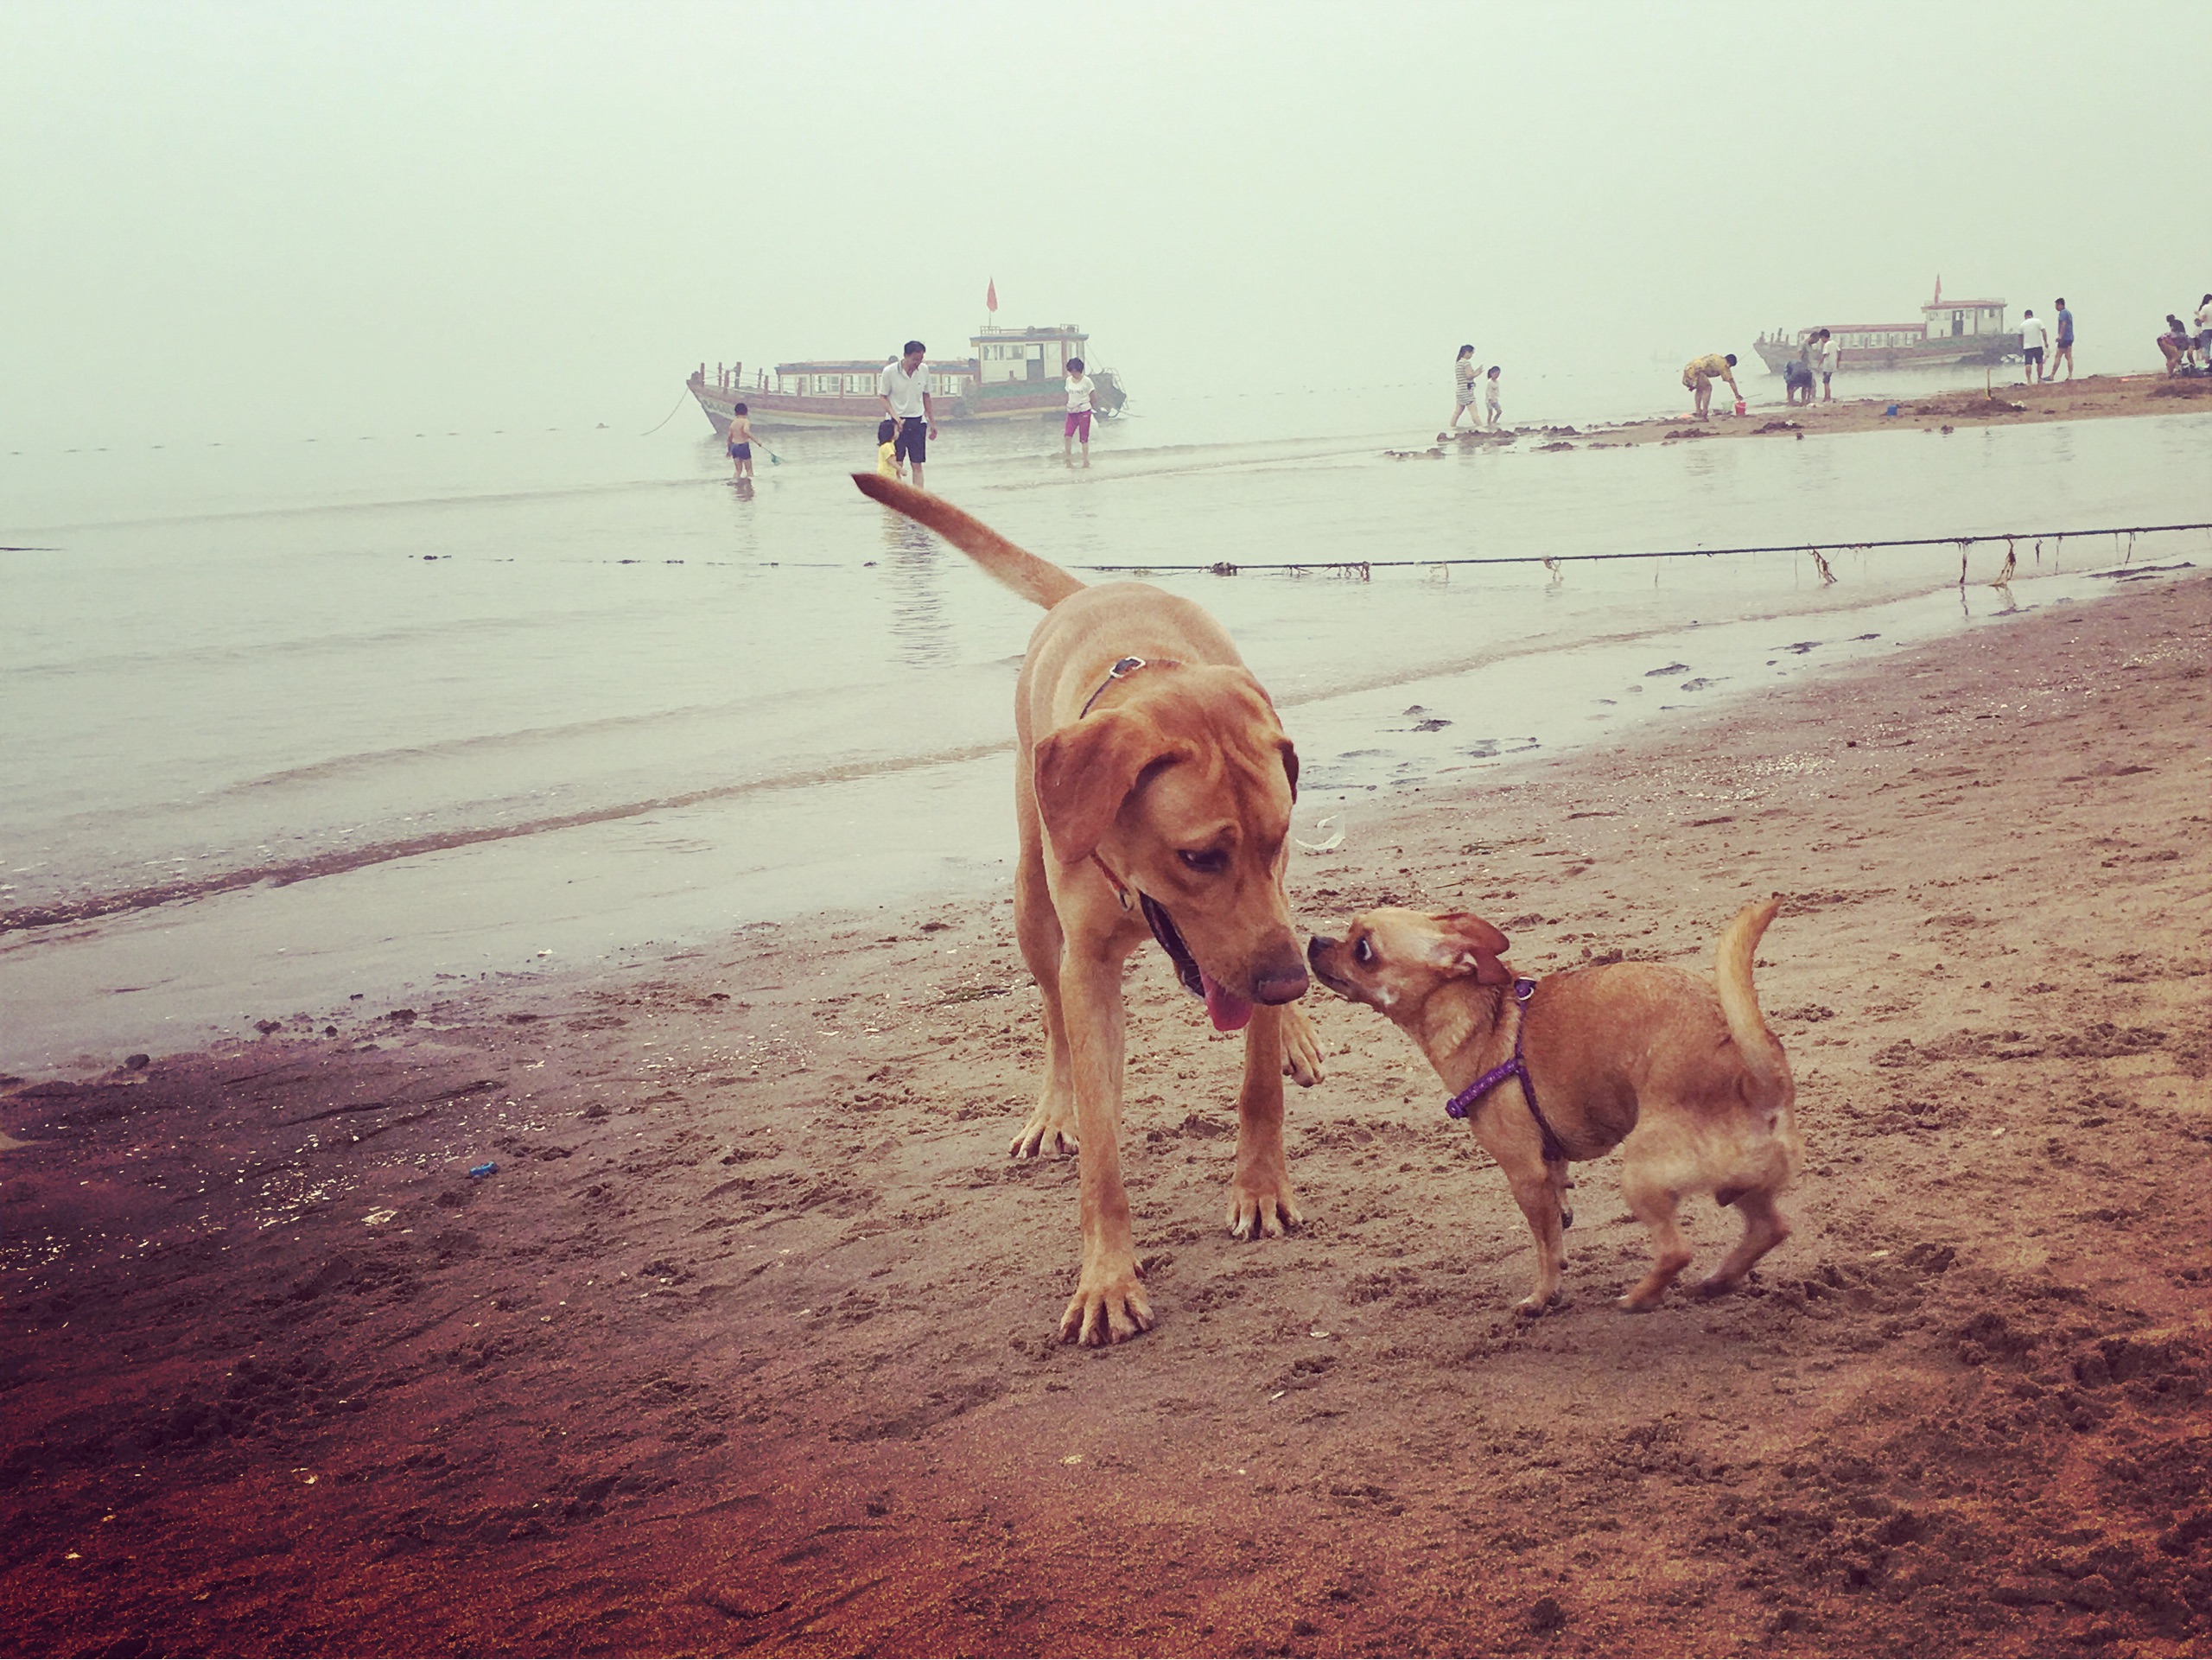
(1392, 959)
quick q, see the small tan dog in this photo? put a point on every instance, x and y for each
(1685, 1078)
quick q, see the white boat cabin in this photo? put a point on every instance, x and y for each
(1941, 320)
(1948, 318)
(1027, 354)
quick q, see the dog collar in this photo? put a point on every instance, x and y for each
(1120, 671)
(1460, 1105)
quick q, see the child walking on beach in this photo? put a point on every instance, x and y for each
(887, 451)
(741, 442)
(1490, 398)
(1080, 388)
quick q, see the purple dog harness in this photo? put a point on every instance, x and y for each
(1463, 1102)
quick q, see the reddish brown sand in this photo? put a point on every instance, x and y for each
(747, 1346)
(2092, 397)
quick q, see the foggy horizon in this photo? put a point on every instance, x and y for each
(251, 220)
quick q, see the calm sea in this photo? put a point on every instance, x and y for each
(384, 714)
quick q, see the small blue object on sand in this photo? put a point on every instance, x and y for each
(482, 1170)
(1892, 409)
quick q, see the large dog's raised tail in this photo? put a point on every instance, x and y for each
(1761, 1050)
(1038, 580)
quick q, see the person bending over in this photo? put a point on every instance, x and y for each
(2175, 343)
(1700, 374)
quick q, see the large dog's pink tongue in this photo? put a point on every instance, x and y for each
(1228, 1011)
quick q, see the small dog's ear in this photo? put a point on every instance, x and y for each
(1470, 942)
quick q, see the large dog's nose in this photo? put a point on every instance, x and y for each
(1279, 983)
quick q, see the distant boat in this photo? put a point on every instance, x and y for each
(1949, 332)
(1016, 373)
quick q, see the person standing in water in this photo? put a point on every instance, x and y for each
(1463, 389)
(1490, 398)
(904, 390)
(741, 442)
(1079, 387)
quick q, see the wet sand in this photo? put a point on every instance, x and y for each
(2092, 397)
(746, 1344)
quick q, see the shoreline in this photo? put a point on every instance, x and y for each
(747, 1341)
(2091, 397)
(180, 951)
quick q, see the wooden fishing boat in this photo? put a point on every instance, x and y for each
(1949, 332)
(1013, 374)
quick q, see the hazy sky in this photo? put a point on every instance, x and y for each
(259, 219)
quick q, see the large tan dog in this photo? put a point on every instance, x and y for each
(1685, 1078)
(1152, 792)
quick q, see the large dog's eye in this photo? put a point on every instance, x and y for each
(1207, 862)
(1364, 952)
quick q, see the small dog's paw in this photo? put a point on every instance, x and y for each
(1301, 1048)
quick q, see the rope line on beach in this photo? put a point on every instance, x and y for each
(1228, 568)
(670, 416)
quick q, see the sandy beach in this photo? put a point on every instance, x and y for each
(746, 1342)
(2003, 401)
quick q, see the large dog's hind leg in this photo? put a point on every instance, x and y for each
(1259, 1196)
(1051, 1126)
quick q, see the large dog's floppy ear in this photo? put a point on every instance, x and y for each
(1290, 766)
(1469, 943)
(1085, 770)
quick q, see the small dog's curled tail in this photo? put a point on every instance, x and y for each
(1760, 1048)
(1038, 580)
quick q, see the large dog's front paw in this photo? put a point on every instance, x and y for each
(1109, 1306)
(1260, 1203)
(1301, 1048)
(1049, 1129)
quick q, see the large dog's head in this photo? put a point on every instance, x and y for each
(1184, 789)
(1393, 960)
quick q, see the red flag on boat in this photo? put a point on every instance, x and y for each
(991, 296)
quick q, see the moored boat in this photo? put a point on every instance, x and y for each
(1014, 373)
(1949, 332)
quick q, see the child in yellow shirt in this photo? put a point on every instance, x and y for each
(887, 453)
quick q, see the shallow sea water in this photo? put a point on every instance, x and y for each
(576, 699)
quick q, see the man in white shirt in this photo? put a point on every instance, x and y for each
(904, 392)
(1079, 387)
(2033, 335)
(1831, 355)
